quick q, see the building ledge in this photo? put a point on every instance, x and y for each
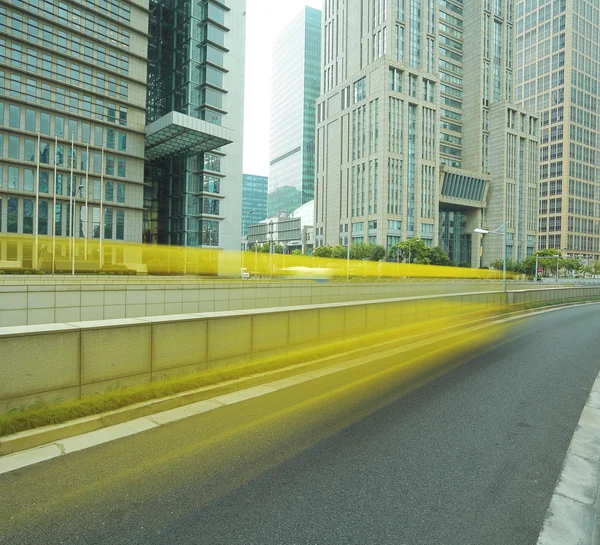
(177, 133)
(460, 187)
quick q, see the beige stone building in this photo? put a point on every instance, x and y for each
(415, 128)
(556, 75)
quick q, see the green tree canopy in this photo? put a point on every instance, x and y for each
(322, 251)
(367, 251)
(339, 252)
(378, 252)
(438, 256)
(266, 248)
(412, 250)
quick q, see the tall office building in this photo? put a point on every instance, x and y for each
(557, 75)
(254, 201)
(295, 88)
(410, 128)
(195, 123)
(72, 115)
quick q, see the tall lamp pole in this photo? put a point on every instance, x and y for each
(255, 258)
(78, 190)
(245, 245)
(271, 249)
(36, 216)
(500, 231)
(54, 204)
(349, 238)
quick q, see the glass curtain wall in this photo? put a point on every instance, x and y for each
(186, 74)
(454, 237)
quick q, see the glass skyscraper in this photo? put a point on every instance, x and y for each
(195, 111)
(295, 88)
(254, 201)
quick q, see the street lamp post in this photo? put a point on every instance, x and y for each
(245, 244)
(271, 249)
(500, 231)
(255, 258)
(348, 255)
(73, 214)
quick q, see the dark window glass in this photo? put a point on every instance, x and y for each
(120, 225)
(28, 216)
(12, 215)
(43, 218)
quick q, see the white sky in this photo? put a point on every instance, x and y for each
(265, 19)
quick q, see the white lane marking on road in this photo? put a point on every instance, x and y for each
(93, 438)
(180, 413)
(243, 395)
(575, 506)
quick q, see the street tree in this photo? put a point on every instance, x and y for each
(322, 251)
(414, 250)
(438, 256)
(339, 252)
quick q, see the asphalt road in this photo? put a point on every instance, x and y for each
(470, 458)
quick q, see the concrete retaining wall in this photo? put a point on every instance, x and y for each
(75, 300)
(65, 361)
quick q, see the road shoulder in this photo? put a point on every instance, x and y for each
(575, 506)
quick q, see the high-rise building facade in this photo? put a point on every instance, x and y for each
(557, 75)
(295, 88)
(407, 122)
(254, 201)
(195, 121)
(72, 120)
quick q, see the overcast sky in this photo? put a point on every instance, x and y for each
(265, 19)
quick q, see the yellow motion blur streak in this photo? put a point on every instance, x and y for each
(359, 391)
(17, 253)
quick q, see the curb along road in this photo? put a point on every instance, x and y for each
(575, 506)
(37, 437)
(34, 446)
(61, 439)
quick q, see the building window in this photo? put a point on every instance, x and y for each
(108, 192)
(108, 224)
(45, 153)
(12, 216)
(360, 89)
(13, 147)
(27, 216)
(58, 219)
(121, 193)
(14, 116)
(110, 165)
(30, 120)
(28, 180)
(95, 222)
(29, 150)
(44, 182)
(43, 218)
(120, 225)
(210, 233)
